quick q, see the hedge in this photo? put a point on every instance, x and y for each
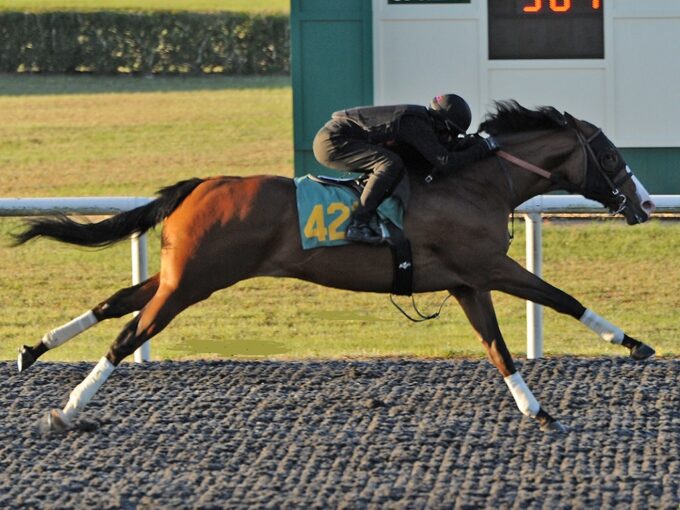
(144, 42)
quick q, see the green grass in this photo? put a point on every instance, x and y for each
(253, 6)
(114, 136)
(89, 136)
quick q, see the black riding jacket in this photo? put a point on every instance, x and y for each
(414, 126)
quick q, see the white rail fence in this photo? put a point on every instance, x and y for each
(532, 210)
(91, 206)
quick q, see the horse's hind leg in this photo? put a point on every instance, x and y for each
(478, 308)
(155, 316)
(513, 279)
(121, 303)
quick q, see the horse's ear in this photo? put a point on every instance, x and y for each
(556, 116)
(571, 121)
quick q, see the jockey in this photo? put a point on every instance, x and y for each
(359, 140)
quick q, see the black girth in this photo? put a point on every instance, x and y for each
(402, 262)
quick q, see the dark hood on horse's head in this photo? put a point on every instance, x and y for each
(511, 117)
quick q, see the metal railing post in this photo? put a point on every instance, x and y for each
(140, 272)
(534, 255)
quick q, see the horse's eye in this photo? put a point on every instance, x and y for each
(609, 161)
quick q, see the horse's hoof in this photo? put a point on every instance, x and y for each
(548, 423)
(26, 359)
(554, 426)
(55, 422)
(641, 352)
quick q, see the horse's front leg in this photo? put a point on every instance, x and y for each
(478, 308)
(511, 278)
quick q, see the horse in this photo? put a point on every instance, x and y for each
(218, 231)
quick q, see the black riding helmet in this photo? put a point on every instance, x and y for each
(453, 111)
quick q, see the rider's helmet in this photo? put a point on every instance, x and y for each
(453, 111)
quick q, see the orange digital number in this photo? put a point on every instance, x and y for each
(560, 6)
(557, 5)
(538, 5)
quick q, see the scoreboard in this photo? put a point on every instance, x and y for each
(545, 29)
(615, 63)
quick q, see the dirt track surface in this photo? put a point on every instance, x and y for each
(378, 434)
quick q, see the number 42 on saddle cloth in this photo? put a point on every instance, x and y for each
(326, 203)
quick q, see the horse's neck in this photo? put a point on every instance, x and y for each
(525, 183)
(495, 181)
(498, 183)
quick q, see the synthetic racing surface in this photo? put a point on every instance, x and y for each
(345, 434)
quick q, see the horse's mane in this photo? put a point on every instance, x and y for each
(511, 117)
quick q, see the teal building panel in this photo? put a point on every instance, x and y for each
(657, 168)
(332, 67)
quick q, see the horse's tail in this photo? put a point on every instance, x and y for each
(115, 228)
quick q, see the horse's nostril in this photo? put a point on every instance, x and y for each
(648, 206)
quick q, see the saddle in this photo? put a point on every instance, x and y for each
(324, 207)
(356, 184)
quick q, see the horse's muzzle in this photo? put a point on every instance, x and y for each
(640, 209)
(635, 215)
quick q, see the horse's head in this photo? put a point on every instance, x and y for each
(608, 179)
(576, 156)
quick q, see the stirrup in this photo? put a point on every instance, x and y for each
(362, 233)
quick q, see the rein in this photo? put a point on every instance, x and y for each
(524, 164)
(565, 184)
(589, 154)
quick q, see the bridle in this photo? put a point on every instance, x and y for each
(599, 153)
(600, 150)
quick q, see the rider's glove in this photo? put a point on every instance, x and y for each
(491, 144)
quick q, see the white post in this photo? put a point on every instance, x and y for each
(140, 272)
(534, 257)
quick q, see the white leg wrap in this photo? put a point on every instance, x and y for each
(607, 331)
(59, 335)
(84, 392)
(526, 402)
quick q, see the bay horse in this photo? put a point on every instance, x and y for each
(221, 230)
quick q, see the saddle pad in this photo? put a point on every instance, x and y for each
(324, 211)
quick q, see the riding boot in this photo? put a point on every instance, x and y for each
(359, 230)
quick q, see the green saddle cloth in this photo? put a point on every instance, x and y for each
(324, 211)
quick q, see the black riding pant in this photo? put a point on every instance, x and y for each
(341, 145)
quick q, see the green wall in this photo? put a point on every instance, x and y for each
(658, 169)
(332, 67)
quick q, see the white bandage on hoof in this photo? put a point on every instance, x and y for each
(526, 402)
(59, 335)
(607, 331)
(83, 393)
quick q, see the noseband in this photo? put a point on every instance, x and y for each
(599, 154)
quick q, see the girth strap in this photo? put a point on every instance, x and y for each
(402, 261)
